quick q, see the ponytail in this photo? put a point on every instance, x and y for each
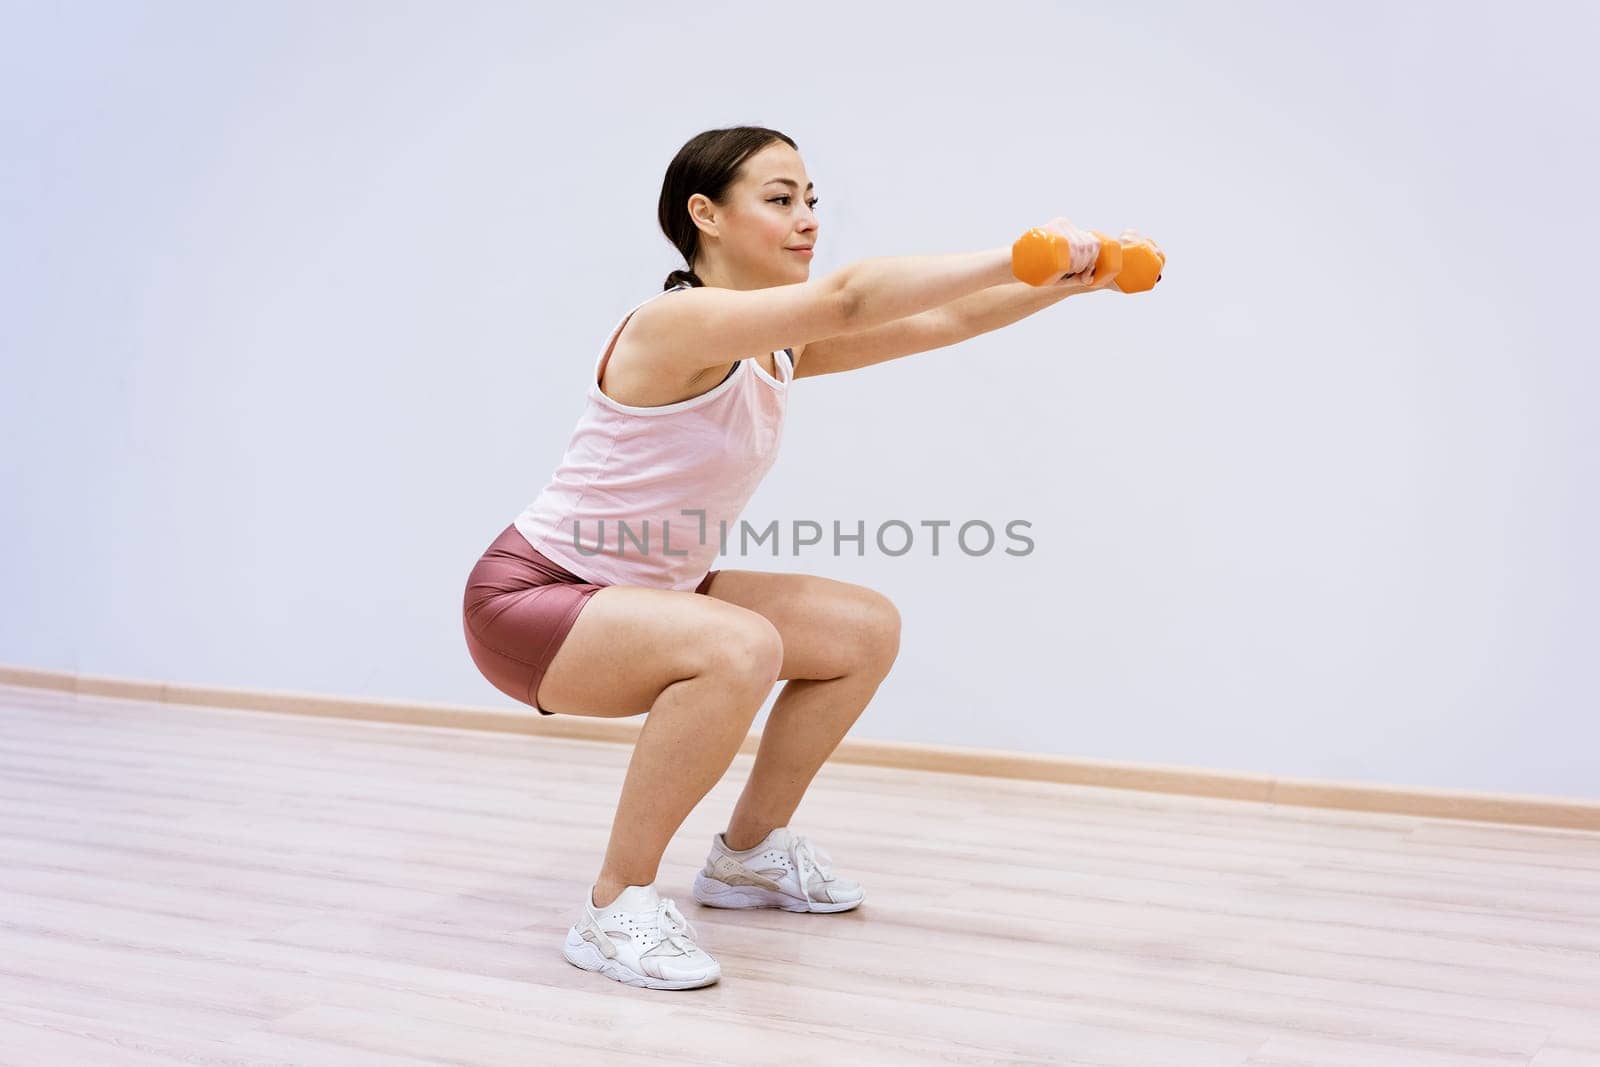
(682, 277)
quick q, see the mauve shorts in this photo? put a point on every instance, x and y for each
(517, 610)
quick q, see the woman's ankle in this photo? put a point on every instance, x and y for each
(746, 841)
(604, 892)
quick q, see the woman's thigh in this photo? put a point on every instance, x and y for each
(829, 627)
(630, 642)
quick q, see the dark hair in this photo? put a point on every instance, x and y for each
(707, 164)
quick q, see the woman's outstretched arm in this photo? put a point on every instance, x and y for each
(951, 323)
(707, 325)
(885, 288)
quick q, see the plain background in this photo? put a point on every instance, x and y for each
(300, 301)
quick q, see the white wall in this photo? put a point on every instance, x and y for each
(300, 302)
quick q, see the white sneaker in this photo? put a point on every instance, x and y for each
(785, 871)
(639, 939)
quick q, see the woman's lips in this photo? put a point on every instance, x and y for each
(803, 251)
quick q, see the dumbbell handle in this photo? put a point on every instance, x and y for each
(1041, 254)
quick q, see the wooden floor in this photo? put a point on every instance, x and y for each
(222, 887)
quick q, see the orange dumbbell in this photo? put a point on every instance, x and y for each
(1141, 267)
(1040, 254)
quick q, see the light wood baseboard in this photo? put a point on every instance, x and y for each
(1555, 812)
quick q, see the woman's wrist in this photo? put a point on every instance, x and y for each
(1000, 267)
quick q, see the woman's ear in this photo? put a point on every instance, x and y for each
(703, 213)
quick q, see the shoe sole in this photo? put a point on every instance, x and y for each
(715, 894)
(581, 952)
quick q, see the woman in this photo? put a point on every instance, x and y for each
(598, 599)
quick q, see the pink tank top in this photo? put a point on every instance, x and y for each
(623, 507)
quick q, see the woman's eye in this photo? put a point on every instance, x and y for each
(786, 199)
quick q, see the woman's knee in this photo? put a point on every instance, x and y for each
(748, 649)
(879, 626)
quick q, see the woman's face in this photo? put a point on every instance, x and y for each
(767, 217)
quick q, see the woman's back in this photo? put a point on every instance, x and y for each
(644, 495)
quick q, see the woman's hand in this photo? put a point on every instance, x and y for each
(1085, 249)
(1083, 280)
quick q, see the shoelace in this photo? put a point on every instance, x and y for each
(675, 928)
(805, 855)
